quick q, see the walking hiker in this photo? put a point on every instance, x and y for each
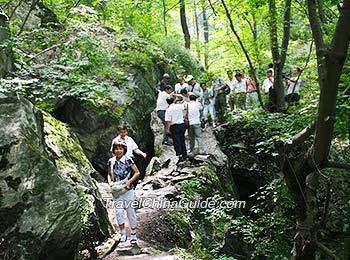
(220, 89)
(174, 116)
(132, 146)
(252, 93)
(132, 150)
(240, 90)
(269, 90)
(193, 87)
(122, 173)
(208, 103)
(293, 84)
(162, 84)
(195, 132)
(162, 106)
(231, 81)
(180, 85)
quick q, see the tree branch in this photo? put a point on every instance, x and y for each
(212, 7)
(43, 51)
(14, 10)
(327, 251)
(339, 165)
(34, 2)
(69, 13)
(303, 135)
(245, 52)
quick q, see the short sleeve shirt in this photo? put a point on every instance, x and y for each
(130, 143)
(121, 168)
(194, 112)
(174, 114)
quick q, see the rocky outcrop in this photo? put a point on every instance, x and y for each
(39, 211)
(33, 14)
(72, 164)
(6, 60)
(249, 168)
(135, 98)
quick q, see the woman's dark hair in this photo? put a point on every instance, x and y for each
(117, 145)
(270, 65)
(298, 69)
(170, 100)
(122, 127)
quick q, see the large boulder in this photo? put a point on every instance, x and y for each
(73, 165)
(6, 60)
(96, 131)
(39, 210)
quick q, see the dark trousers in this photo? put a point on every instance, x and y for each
(161, 116)
(178, 134)
(292, 98)
(220, 107)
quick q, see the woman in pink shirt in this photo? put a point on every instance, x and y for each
(252, 94)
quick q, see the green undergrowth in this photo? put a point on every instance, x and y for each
(89, 62)
(202, 228)
(269, 226)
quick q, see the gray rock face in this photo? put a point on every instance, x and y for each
(96, 132)
(39, 15)
(5, 54)
(73, 165)
(39, 210)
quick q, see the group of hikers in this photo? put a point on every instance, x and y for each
(187, 106)
(190, 105)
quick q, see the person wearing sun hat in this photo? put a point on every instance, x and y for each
(194, 88)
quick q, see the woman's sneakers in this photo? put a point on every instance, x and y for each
(133, 238)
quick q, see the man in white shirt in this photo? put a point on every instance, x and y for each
(174, 116)
(194, 87)
(240, 89)
(293, 86)
(194, 132)
(162, 106)
(181, 85)
(130, 143)
(268, 82)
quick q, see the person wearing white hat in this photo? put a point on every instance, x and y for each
(194, 87)
(162, 84)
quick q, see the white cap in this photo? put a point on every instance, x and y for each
(189, 78)
(166, 75)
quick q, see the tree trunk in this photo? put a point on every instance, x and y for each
(206, 36)
(164, 19)
(321, 14)
(197, 30)
(279, 58)
(252, 69)
(184, 26)
(302, 173)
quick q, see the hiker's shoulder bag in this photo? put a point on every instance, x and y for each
(118, 188)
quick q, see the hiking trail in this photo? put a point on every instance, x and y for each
(162, 174)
